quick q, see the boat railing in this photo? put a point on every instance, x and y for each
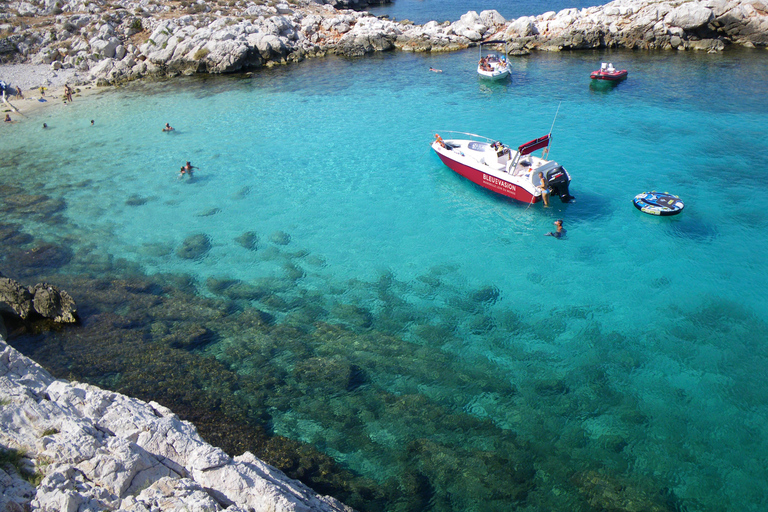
(473, 136)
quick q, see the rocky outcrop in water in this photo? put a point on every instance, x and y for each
(78, 447)
(129, 40)
(42, 299)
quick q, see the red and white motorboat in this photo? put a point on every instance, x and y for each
(608, 72)
(499, 168)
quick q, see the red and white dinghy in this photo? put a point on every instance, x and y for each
(608, 72)
(499, 168)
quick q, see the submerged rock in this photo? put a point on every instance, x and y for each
(47, 256)
(353, 315)
(280, 238)
(136, 200)
(248, 240)
(210, 212)
(194, 247)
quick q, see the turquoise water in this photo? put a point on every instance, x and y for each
(631, 355)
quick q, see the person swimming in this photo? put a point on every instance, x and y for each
(560, 232)
(168, 128)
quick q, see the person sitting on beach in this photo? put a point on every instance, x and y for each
(8, 118)
(168, 128)
(560, 232)
(544, 188)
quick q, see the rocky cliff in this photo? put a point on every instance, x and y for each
(126, 39)
(68, 447)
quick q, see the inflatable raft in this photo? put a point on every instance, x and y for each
(658, 203)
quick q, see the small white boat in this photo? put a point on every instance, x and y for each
(493, 66)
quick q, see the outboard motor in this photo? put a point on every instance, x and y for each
(559, 180)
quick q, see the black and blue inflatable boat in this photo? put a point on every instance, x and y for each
(658, 203)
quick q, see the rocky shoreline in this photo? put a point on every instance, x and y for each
(92, 449)
(129, 40)
(74, 446)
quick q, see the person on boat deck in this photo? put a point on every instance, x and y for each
(439, 140)
(560, 232)
(168, 128)
(544, 187)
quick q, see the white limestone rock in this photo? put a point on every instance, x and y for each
(492, 18)
(470, 26)
(521, 27)
(103, 450)
(105, 47)
(689, 16)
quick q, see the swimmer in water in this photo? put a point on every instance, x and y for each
(560, 233)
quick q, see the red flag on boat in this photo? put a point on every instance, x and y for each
(530, 147)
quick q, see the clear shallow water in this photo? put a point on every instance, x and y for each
(422, 11)
(630, 355)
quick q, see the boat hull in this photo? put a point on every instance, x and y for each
(611, 77)
(488, 181)
(493, 75)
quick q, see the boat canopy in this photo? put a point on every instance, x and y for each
(530, 147)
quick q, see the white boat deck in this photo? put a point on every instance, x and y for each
(499, 161)
(493, 67)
